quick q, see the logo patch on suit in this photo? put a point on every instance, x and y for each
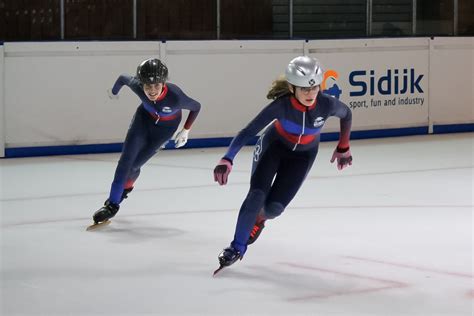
(319, 121)
(166, 109)
(258, 148)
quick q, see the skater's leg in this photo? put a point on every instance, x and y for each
(159, 136)
(260, 183)
(290, 176)
(135, 141)
(154, 143)
(246, 219)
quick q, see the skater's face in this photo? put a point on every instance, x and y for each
(306, 96)
(153, 91)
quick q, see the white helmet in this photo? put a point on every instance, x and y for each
(304, 71)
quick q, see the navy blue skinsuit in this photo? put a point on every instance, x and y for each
(153, 124)
(283, 155)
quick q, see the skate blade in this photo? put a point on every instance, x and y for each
(97, 225)
(218, 269)
(223, 266)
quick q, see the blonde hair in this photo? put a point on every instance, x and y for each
(279, 88)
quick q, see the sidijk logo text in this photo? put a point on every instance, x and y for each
(392, 82)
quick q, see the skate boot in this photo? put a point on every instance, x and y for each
(227, 257)
(106, 212)
(256, 230)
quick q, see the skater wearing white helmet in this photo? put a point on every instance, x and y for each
(285, 150)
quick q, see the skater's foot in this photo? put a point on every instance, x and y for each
(106, 212)
(256, 230)
(229, 256)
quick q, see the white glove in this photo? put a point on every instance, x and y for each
(111, 95)
(181, 138)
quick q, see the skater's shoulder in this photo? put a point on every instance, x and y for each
(327, 99)
(174, 92)
(128, 79)
(173, 88)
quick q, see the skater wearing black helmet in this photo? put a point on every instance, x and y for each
(154, 123)
(285, 150)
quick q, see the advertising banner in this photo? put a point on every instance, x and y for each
(385, 83)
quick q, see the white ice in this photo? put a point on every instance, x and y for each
(391, 235)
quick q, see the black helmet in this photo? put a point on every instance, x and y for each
(152, 71)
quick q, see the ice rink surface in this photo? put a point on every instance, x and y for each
(391, 235)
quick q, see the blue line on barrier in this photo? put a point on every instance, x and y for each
(454, 128)
(225, 141)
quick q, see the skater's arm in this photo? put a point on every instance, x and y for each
(186, 103)
(343, 112)
(267, 115)
(342, 153)
(182, 137)
(134, 84)
(122, 80)
(194, 107)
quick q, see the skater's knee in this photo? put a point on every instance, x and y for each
(273, 209)
(256, 196)
(253, 202)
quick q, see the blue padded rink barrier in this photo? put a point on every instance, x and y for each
(391, 235)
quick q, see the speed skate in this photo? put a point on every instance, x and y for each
(98, 225)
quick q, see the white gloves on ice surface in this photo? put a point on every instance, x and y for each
(181, 138)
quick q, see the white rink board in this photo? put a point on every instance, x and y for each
(452, 80)
(67, 102)
(2, 106)
(68, 83)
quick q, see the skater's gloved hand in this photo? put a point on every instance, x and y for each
(181, 138)
(111, 95)
(222, 170)
(343, 157)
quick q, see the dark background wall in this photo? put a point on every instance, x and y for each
(36, 20)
